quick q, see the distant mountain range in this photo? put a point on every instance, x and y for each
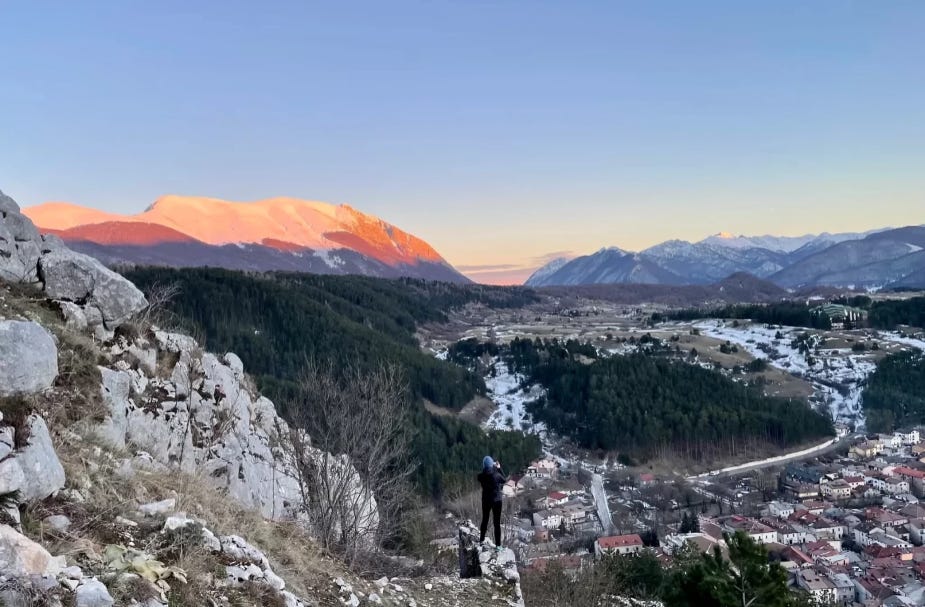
(887, 258)
(273, 234)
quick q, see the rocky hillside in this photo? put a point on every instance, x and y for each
(138, 469)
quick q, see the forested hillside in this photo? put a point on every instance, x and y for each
(882, 314)
(895, 392)
(788, 313)
(277, 322)
(644, 405)
(887, 314)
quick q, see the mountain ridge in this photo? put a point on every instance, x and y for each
(278, 232)
(874, 259)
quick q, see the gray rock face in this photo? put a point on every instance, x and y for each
(21, 557)
(7, 204)
(43, 471)
(21, 228)
(28, 358)
(203, 420)
(93, 593)
(81, 279)
(19, 243)
(476, 560)
(12, 478)
(74, 317)
(51, 242)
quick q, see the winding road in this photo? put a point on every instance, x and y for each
(813, 451)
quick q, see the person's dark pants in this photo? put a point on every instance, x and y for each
(494, 509)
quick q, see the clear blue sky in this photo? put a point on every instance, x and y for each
(498, 131)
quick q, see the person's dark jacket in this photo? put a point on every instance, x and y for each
(492, 482)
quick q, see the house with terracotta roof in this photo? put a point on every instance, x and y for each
(618, 544)
(556, 498)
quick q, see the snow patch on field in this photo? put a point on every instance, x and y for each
(902, 339)
(506, 391)
(836, 375)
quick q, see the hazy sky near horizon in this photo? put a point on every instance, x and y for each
(500, 132)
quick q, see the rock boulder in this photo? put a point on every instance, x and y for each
(28, 358)
(43, 471)
(81, 279)
(21, 557)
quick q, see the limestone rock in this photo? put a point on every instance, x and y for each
(74, 317)
(161, 507)
(28, 357)
(82, 279)
(175, 342)
(21, 228)
(477, 560)
(40, 464)
(234, 363)
(20, 556)
(58, 522)
(19, 243)
(12, 478)
(93, 593)
(7, 205)
(51, 242)
(7, 441)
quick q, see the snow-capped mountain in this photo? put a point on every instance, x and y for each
(876, 259)
(702, 262)
(542, 273)
(272, 234)
(782, 244)
(607, 266)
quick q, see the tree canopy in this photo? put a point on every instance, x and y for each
(894, 395)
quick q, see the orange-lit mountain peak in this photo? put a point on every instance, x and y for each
(64, 215)
(300, 224)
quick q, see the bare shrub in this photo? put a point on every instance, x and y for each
(157, 312)
(362, 419)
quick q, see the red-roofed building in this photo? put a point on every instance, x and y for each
(618, 544)
(556, 498)
(646, 478)
(915, 478)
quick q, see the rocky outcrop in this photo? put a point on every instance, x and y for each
(34, 470)
(28, 257)
(21, 557)
(28, 358)
(43, 472)
(79, 278)
(478, 559)
(199, 415)
(19, 243)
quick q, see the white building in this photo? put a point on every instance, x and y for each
(818, 585)
(780, 509)
(618, 544)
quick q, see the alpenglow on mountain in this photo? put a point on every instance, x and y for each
(273, 234)
(888, 258)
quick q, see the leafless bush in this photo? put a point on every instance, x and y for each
(157, 312)
(362, 420)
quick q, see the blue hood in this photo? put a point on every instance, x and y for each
(488, 463)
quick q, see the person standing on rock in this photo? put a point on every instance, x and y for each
(492, 481)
